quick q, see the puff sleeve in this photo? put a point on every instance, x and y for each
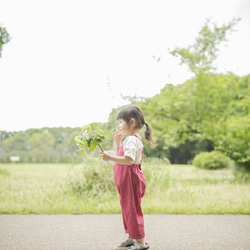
(132, 148)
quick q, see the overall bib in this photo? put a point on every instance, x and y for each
(131, 185)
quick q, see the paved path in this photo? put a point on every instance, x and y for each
(102, 232)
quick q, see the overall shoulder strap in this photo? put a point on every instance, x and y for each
(142, 150)
(138, 137)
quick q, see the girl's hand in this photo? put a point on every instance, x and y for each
(105, 156)
(118, 138)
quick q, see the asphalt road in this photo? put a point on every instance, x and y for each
(101, 232)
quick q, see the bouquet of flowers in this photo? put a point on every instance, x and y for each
(89, 138)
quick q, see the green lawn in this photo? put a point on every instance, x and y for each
(172, 189)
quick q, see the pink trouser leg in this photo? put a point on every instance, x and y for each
(131, 192)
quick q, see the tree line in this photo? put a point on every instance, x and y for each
(187, 119)
(39, 145)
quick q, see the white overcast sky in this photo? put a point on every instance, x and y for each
(56, 68)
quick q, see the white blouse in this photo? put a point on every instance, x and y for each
(132, 147)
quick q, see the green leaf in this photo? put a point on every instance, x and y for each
(89, 137)
(93, 146)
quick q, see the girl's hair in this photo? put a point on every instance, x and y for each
(135, 112)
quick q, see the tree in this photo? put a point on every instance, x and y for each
(236, 142)
(203, 108)
(200, 56)
(41, 144)
(4, 38)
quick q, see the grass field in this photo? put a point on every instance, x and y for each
(90, 188)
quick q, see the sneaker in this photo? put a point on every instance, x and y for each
(126, 244)
(137, 245)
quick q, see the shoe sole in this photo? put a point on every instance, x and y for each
(123, 248)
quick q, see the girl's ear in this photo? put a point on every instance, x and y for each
(132, 122)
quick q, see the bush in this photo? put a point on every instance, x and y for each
(242, 177)
(93, 178)
(154, 160)
(211, 160)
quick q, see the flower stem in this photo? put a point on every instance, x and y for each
(100, 146)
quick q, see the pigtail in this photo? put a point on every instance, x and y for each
(148, 135)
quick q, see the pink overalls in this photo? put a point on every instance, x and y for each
(131, 185)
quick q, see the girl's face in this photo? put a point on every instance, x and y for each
(123, 127)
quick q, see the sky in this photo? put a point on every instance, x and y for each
(70, 61)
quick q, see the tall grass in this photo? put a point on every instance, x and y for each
(90, 188)
(94, 178)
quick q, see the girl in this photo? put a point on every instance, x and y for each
(129, 180)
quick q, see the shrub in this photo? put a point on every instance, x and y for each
(155, 161)
(93, 178)
(242, 177)
(211, 160)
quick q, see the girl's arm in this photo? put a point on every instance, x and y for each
(123, 160)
